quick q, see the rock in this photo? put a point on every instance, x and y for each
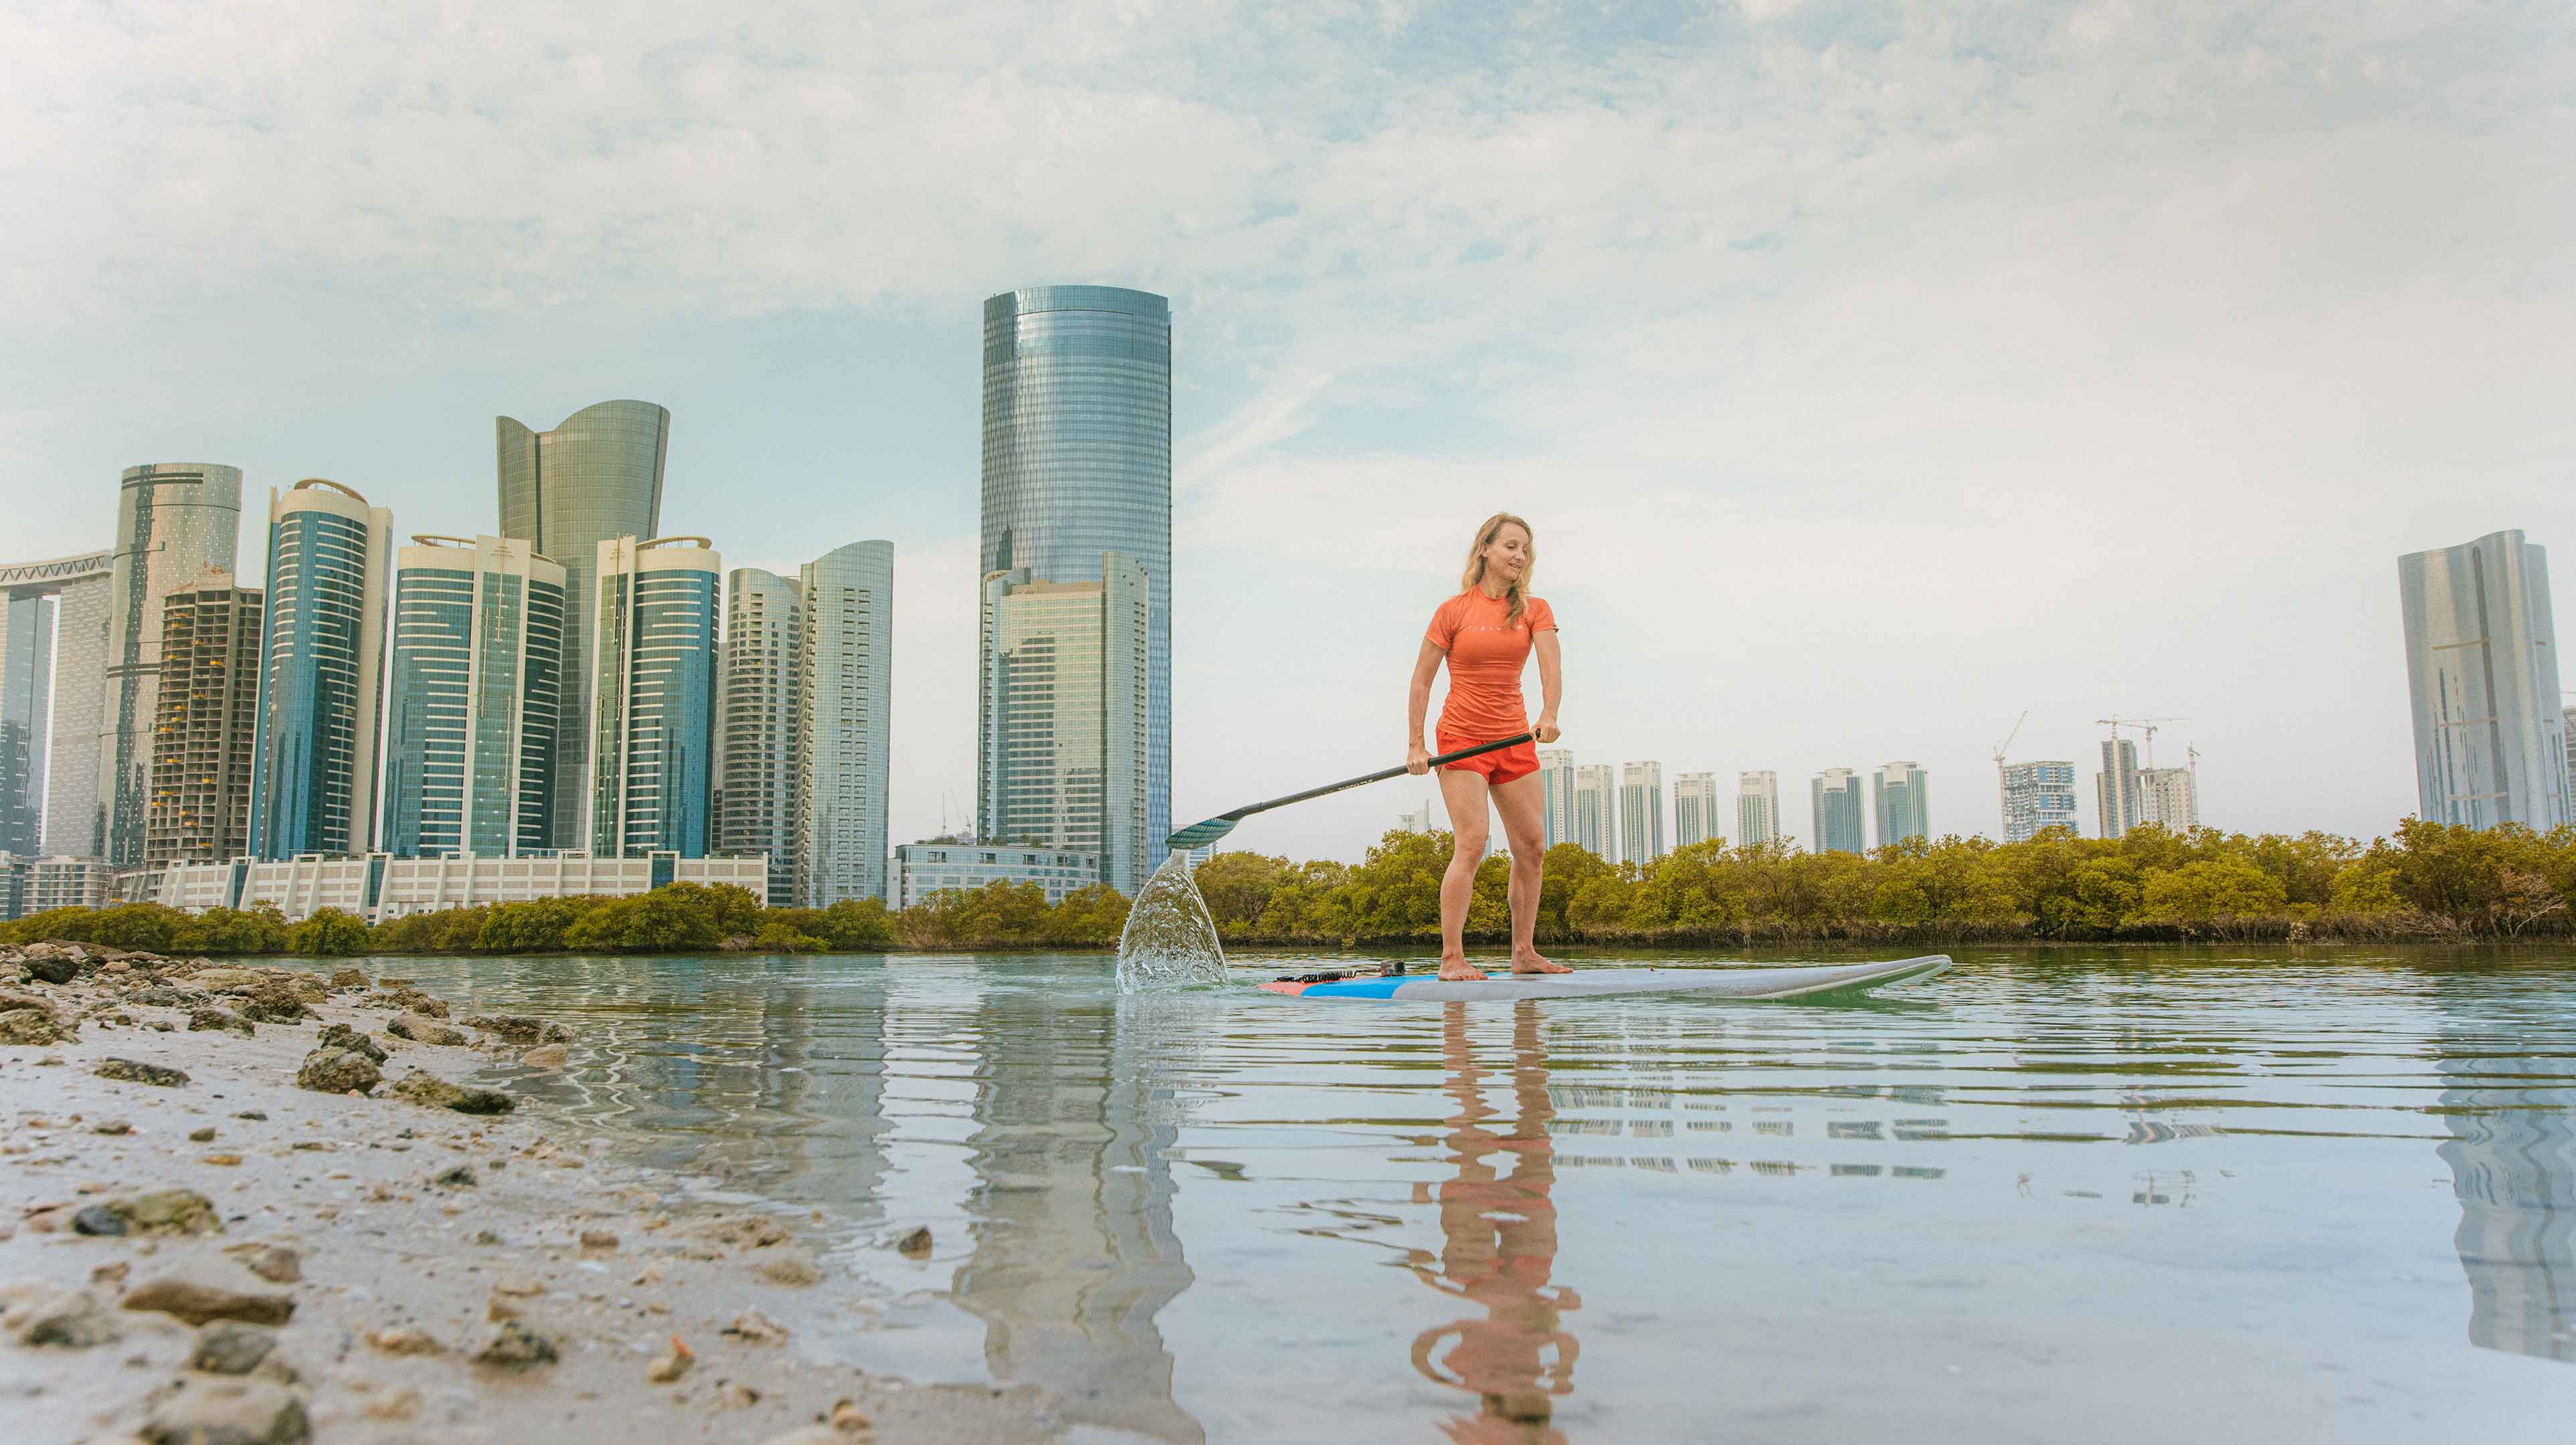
(162, 995)
(808, 1435)
(111, 1127)
(598, 1239)
(406, 1341)
(349, 978)
(98, 1219)
(275, 1001)
(205, 1135)
(111, 1276)
(394, 1406)
(272, 1262)
(28, 1026)
(915, 1243)
(228, 1412)
(341, 1036)
(197, 1301)
(225, 980)
(546, 1056)
(222, 1161)
(753, 1327)
(53, 968)
(847, 1418)
(427, 1090)
(520, 1029)
(337, 1071)
(212, 1019)
(484, 1101)
(514, 1346)
(65, 1319)
(791, 1269)
(525, 1286)
(252, 1114)
(735, 1395)
(459, 1177)
(412, 1000)
(422, 1029)
(134, 1071)
(672, 1363)
(170, 1211)
(230, 1348)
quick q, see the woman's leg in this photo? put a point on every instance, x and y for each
(1523, 802)
(1464, 792)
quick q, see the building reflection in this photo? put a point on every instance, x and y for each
(2512, 1153)
(1074, 1251)
(1498, 1233)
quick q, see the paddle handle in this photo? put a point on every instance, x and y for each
(1380, 776)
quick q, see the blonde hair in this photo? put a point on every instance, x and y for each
(1518, 592)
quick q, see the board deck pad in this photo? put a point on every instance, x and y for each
(1815, 981)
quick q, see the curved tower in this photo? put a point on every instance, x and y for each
(595, 478)
(175, 523)
(322, 671)
(1078, 465)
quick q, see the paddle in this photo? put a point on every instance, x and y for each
(1217, 827)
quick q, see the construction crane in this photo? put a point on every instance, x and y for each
(2147, 725)
(2003, 795)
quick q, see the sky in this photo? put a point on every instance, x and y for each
(1871, 373)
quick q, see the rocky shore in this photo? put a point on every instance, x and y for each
(260, 1205)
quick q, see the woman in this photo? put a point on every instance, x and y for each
(1487, 632)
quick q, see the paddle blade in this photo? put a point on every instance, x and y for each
(1199, 835)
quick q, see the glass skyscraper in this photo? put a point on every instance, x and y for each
(1596, 811)
(653, 692)
(1841, 825)
(1077, 465)
(175, 523)
(758, 721)
(322, 672)
(1556, 794)
(2482, 675)
(1898, 800)
(201, 743)
(1757, 808)
(53, 681)
(2036, 796)
(477, 698)
(1641, 812)
(2118, 801)
(1064, 714)
(1694, 809)
(845, 700)
(596, 477)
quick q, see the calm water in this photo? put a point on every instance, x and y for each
(2113, 1195)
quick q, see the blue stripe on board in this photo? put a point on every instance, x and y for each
(1356, 988)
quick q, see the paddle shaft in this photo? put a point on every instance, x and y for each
(1380, 776)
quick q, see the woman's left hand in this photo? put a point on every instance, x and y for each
(1546, 730)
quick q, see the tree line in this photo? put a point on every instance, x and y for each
(2428, 881)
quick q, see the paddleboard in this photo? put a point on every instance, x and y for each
(1820, 980)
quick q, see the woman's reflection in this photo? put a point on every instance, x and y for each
(1499, 1231)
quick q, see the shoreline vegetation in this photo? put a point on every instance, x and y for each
(2426, 883)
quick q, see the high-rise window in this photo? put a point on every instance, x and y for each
(321, 672)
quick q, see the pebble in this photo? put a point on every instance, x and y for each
(218, 1019)
(397, 1406)
(227, 1347)
(516, 1347)
(205, 1135)
(598, 1239)
(222, 1161)
(134, 1071)
(915, 1243)
(272, 1262)
(112, 1127)
(233, 1412)
(550, 1056)
(98, 1219)
(198, 1301)
(67, 1319)
(406, 1341)
(422, 1029)
(338, 1071)
(253, 1115)
(522, 1285)
(792, 1270)
(847, 1417)
(753, 1327)
(671, 1364)
(459, 1177)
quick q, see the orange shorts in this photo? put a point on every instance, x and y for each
(1500, 766)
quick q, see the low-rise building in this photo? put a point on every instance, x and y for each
(376, 886)
(68, 883)
(921, 869)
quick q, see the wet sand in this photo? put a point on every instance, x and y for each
(427, 1260)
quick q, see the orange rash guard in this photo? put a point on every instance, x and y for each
(1487, 653)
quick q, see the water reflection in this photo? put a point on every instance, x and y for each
(1498, 1247)
(1074, 1249)
(2512, 1153)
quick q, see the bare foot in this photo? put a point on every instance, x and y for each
(1458, 970)
(1531, 962)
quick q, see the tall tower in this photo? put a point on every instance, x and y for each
(1556, 794)
(477, 697)
(53, 689)
(758, 719)
(175, 523)
(1596, 811)
(2117, 798)
(201, 744)
(322, 672)
(1641, 812)
(1836, 798)
(2482, 673)
(595, 478)
(1077, 465)
(1065, 714)
(653, 694)
(2037, 796)
(1695, 809)
(1897, 798)
(845, 701)
(1757, 808)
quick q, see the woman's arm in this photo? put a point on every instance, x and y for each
(1551, 685)
(1417, 758)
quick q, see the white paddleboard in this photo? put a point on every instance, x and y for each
(1815, 981)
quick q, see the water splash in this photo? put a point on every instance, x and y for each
(1169, 939)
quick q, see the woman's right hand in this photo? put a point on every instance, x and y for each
(1417, 760)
